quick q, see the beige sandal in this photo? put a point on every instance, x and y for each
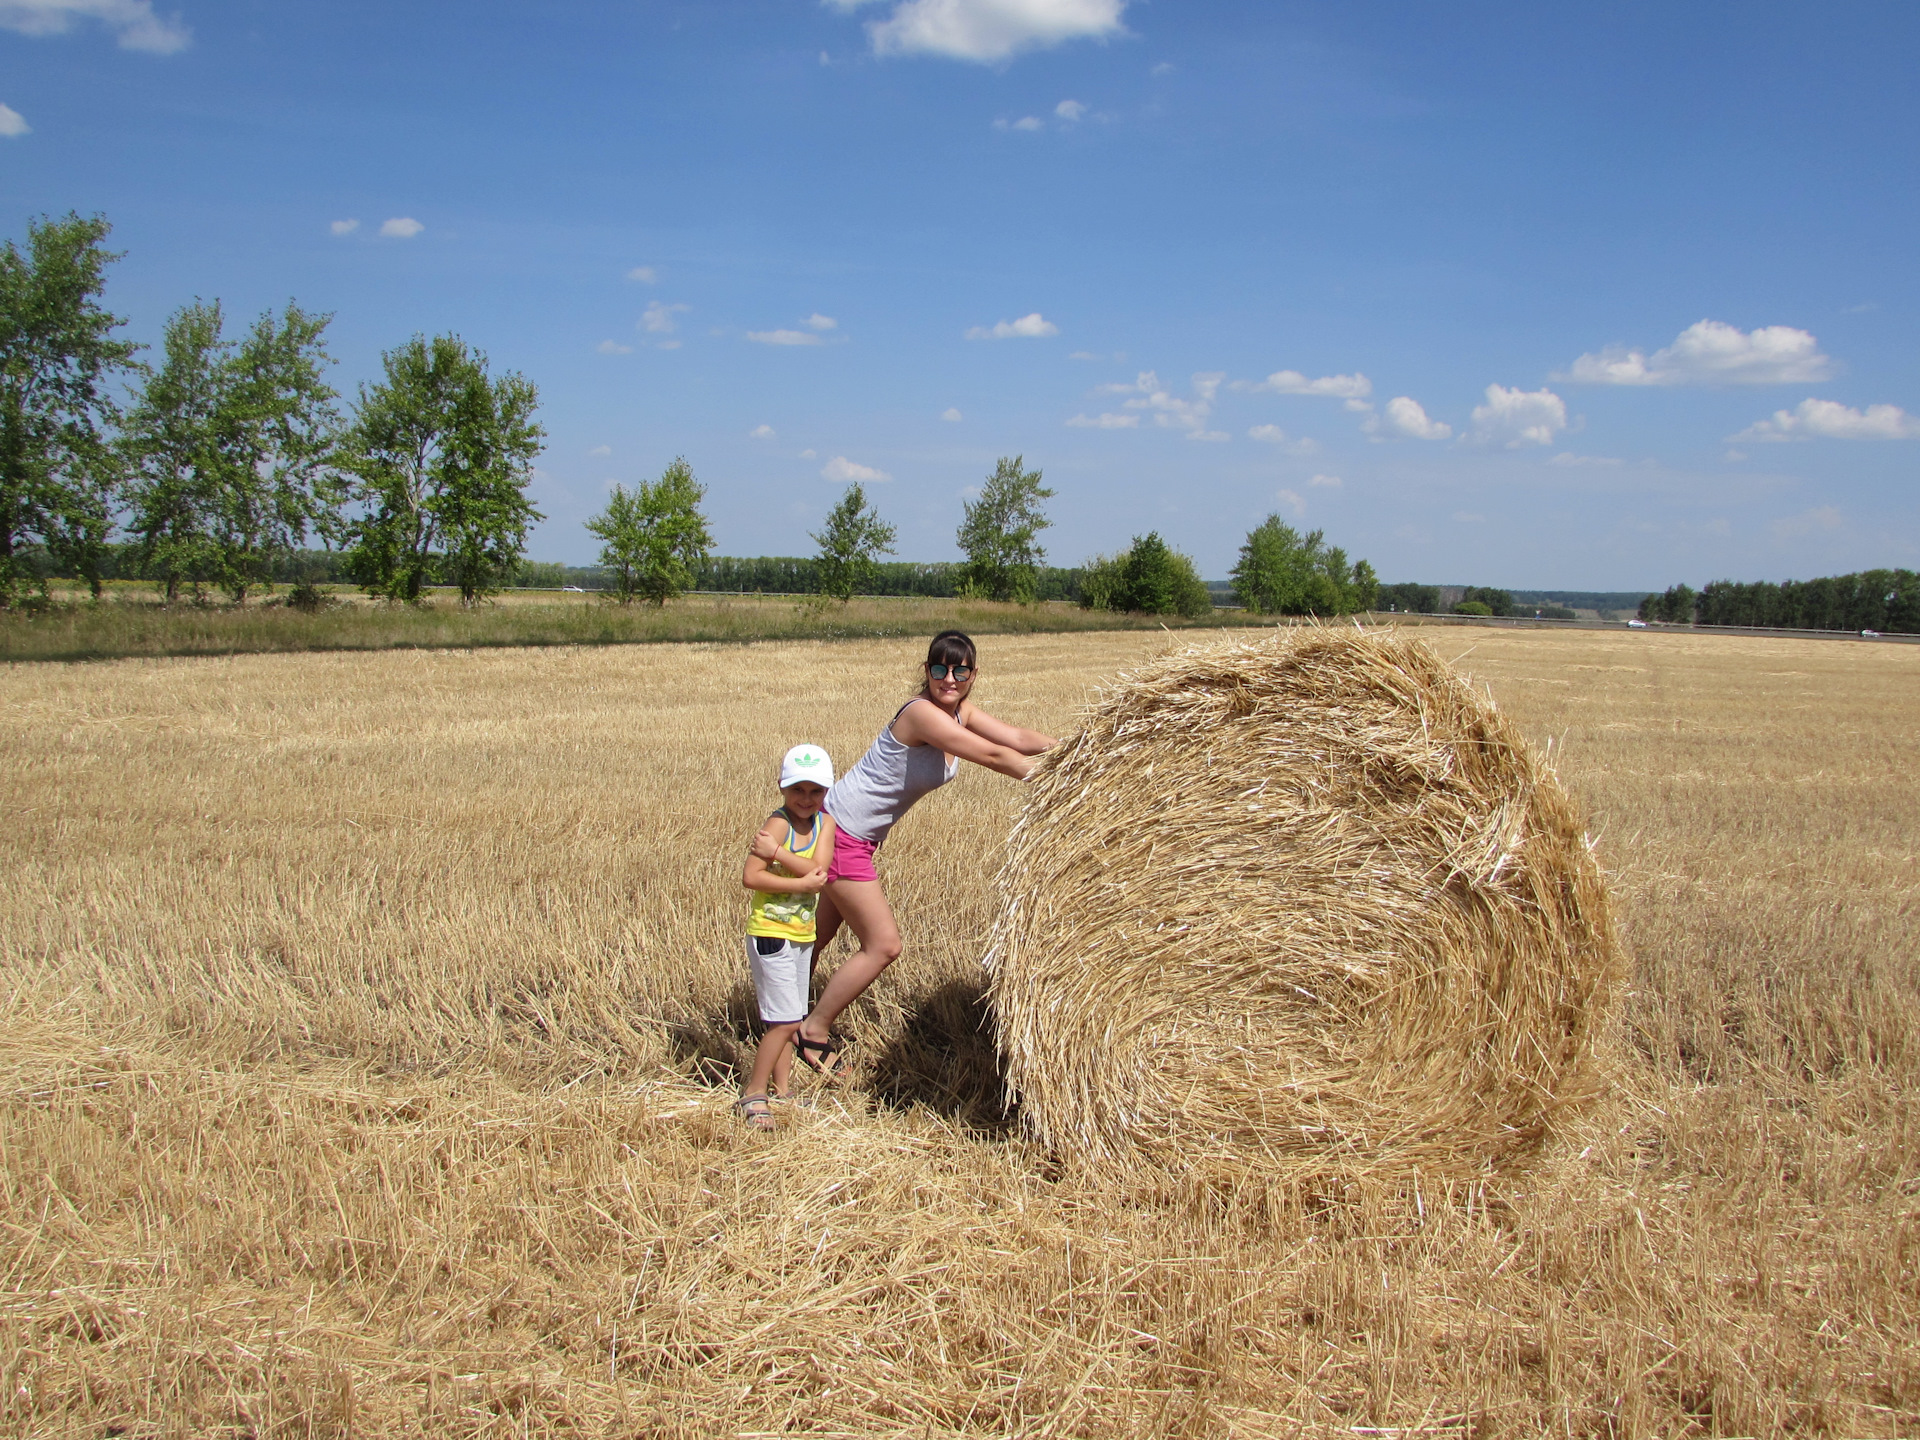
(755, 1111)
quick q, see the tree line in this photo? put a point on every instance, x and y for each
(1884, 600)
(213, 467)
(231, 451)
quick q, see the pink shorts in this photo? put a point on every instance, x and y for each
(852, 858)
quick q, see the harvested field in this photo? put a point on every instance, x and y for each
(368, 1018)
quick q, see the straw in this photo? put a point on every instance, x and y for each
(1308, 904)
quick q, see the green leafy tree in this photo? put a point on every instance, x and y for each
(851, 543)
(441, 455)
(1282, 572)
(1000, 532)
(270, 442)
(1149, 576)
(1498, 602)
(172, 446)
(655, 536)
(58, 472)
(1407, 596)
(1679, 604)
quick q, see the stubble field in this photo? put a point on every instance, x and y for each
(369, 1023)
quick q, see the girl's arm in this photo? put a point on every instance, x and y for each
(930, 725)
(772, 851)
(1027, 742)
(757, 877)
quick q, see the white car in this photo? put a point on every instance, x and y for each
(1869, 634)
(1637, 624)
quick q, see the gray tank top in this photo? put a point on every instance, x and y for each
(867, 800)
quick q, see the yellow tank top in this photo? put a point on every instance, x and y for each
(782, 914)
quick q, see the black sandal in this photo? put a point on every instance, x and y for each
(832, 1048)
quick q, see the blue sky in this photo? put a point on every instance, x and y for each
(1543, 296)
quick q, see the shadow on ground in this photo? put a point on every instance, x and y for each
(943, 1057)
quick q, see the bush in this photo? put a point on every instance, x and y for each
(1473, 607)
(1498, 602)
(1148, 577)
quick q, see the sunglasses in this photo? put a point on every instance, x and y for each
(960, 673)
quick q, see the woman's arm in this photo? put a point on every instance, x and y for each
(930, 725)
(1027, 742)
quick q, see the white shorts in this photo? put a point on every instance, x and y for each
(781, 980)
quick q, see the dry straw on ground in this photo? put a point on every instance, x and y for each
(1308, 902)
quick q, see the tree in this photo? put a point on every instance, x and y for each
(999, 532)
(1149, 577)
(850, 543)
(655, 536)
(442, 455)
(57, 355)
(1498, 602)
(1282, 572)
(1678, 604)
(1412, 598)
(172, 453)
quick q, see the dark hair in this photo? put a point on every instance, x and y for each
(951, 647)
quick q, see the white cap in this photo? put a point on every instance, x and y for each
(805, 764)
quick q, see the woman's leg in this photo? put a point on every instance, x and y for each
(863, 906)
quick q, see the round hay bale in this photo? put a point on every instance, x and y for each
(1306, 903)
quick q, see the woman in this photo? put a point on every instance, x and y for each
(918, 752)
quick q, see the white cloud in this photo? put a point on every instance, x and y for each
(668, 345)
(133, 21)
(1406, 418)
(1165, 67)
(1272, 434)
(401, 227)
(12, 123)
(1327, 482)
(657, 319)
(1173, 411)
(1025, 122)
(1292, 382)
(1809, 522)
(762, 432)
(645, 274)
(842, 469)
(1710, 353)
(989, 30)
(1070, 110)
(817, 321)
(808, 455)
(1090, 355)
(1513, 418)
(601, 450)
(1027, 327)
(1568, 459)
(1830, 420)
(951, 414)
(344, 227)
(1108, 421)
(783, 337)
(1291, 500)
(1217, 437)
(613, 347)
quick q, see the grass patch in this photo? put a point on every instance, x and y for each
(130, 624)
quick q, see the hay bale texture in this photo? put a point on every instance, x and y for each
(1308, 903)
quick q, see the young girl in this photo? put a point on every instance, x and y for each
(786, 869)
(919, 751)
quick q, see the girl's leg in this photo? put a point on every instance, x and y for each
(775, 1046)
(863, 906)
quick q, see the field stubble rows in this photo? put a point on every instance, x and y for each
(370, 1017)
